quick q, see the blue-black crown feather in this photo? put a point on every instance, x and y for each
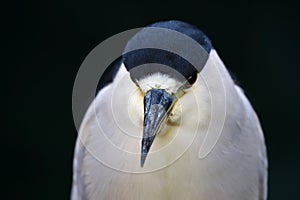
(186, 29)
(183, 69)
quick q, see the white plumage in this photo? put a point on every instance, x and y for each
(235, 168)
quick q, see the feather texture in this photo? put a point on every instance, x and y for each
(106, 160)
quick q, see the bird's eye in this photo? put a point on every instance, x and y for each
(192, 79)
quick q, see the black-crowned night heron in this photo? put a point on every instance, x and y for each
(170, 125)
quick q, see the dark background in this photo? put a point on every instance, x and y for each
(45, 42)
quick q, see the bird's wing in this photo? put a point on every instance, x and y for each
(76, 193)
(256, 128)
(82, 155)
(84, 160)
(242, 131)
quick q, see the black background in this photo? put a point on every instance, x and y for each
(45, 42)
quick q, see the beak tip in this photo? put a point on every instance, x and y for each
(146, 143)
(143, 158)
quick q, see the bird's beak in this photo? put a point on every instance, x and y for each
(157, 107)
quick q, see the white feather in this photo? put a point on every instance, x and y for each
(159, 81)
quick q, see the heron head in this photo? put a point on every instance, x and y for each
(163, 60)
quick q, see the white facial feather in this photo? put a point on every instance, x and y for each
(159, 81)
